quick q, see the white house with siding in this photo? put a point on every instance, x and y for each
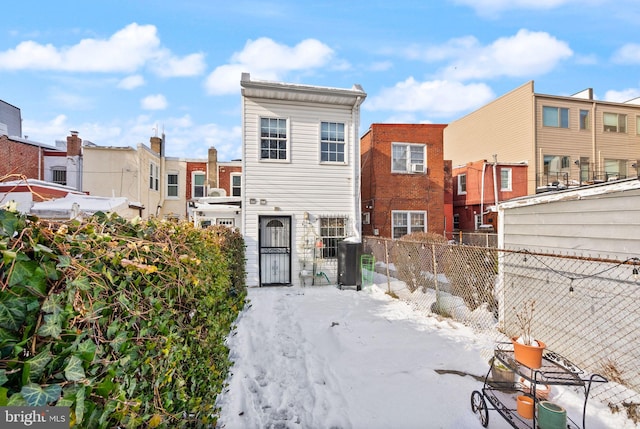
(301, 179)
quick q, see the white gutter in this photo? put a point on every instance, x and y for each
(484, 165)
(357, 192)
(495, 180)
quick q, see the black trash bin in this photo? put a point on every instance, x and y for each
(349, 264)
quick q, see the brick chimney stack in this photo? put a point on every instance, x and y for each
(212, 166)
(156, 145)
(74, 144)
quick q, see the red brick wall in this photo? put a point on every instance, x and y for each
(384, 191)
(224, 177)
(19, 158)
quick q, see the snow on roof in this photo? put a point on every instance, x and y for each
(86, 203)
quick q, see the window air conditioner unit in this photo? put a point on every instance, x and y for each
(417, 168)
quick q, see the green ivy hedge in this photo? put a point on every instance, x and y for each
(123, 322)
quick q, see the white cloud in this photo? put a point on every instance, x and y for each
(131, 82)
(59, 127)
(628, 54)
(381, 66)
(434, 98)
(525, 54)
(154, 102)
(269, 60)
(493, 7)
(125, 51)
(622, 96)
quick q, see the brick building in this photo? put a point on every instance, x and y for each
(405, 180)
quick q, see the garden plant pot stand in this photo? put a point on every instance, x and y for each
(501, 395)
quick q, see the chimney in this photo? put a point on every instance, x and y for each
(74, 144)
(212, 166)
(156, 145)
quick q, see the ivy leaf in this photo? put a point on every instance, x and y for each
(30, 275)
(74, 370)
(3, 376)
(3, 396)
(64, 261)
(38, 364)
(87, 350)
(16, 400)
(51, 327)
(118, 341)
(36, 396)
(12, 311)
(81, 283)
(80, 405)
(50, 305)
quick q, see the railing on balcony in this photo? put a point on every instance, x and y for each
(563, 180)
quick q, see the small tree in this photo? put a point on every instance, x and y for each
(413, 258)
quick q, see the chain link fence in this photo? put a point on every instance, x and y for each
(585, 309)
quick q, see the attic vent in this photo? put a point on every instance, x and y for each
(217, 192)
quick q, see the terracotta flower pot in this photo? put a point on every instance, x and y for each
(542, 390)
(530, 356)
(524, 406)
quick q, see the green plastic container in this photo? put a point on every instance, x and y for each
(551, 416)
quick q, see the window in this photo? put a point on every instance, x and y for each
(198, 185)
(405, 222)
(154, 170)
(584, 120)
(236, 185)
(273, 138)
(615, 169)
(408, 158)
(615, 122)
(229, 222)
(172, 184)
(59, 175)
(332, 142)
(555, 117)
(456, 221)
(462, 184)
(332, 230)
(555, 163)
(505, 179)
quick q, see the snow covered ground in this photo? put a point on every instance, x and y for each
(320, 357)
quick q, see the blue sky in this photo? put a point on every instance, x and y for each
(117, 70)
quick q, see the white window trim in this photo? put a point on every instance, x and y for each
(231, 176)
(177, 185)
(154, 180)
(408, 167)
(460, 192)
(193, 183)
(288, 151)
(408, 213)
(509, 186)
(346, 143)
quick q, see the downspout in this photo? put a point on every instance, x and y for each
(484, 165)
(495, 180)
(356, 170)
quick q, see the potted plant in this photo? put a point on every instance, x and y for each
(526, 349)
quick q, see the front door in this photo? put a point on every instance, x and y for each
(275, 250)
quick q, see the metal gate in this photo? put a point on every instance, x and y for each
(275, 250)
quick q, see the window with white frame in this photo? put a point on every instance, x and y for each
(332, 143)
(555, 117)
(154, 181)
(236, 185)
(408, 158)
(332, 230)
(273, 138)
(225, 221)
(505, 179)
(462, 184)
(406, 222)
(172, 185)
(584, 120)
(198, 185)
(614, 122)
(59, 175)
